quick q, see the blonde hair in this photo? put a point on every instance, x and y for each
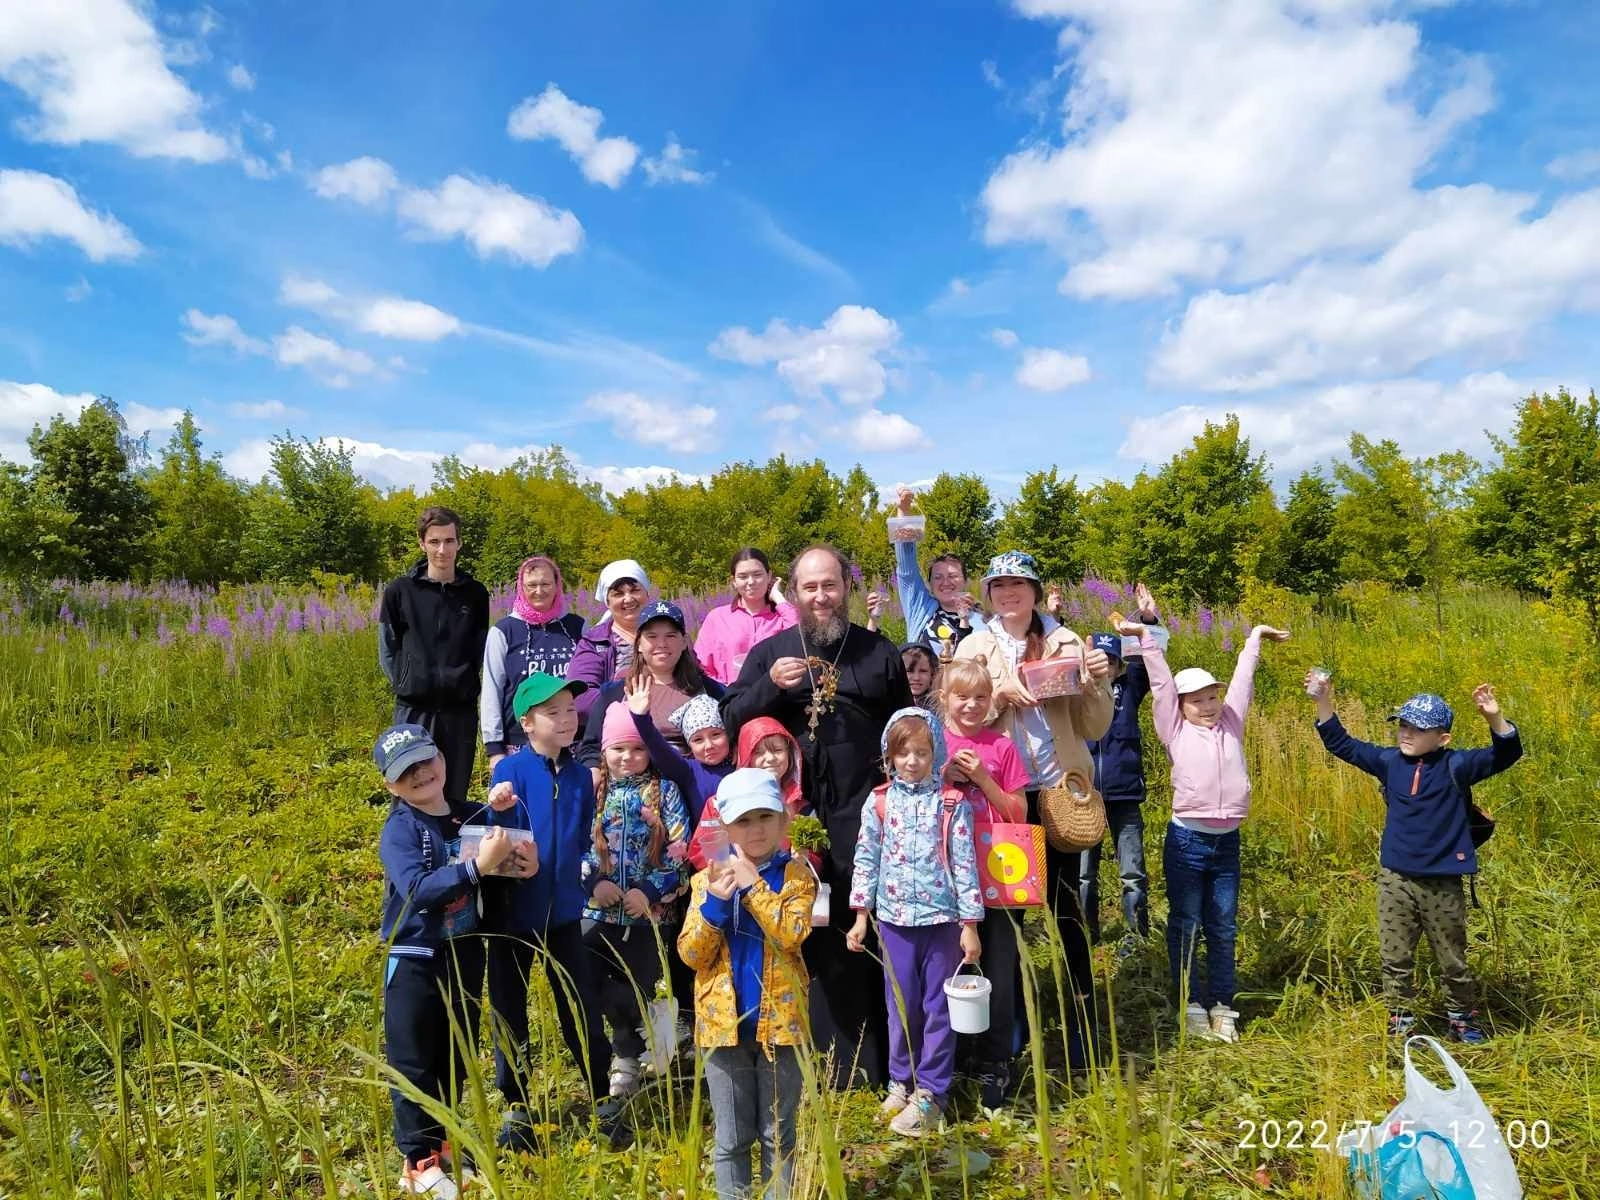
(969, 676)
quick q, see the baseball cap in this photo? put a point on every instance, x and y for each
(662, 610)
(1193, 679)
(401, 747)
(747, 790)
(614, 573)
(1425, 711)
(1013, 564)
(1111, 643)
(539, 687)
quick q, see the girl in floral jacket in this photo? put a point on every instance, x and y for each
(633, 868)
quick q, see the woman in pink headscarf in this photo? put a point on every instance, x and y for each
(539, 635)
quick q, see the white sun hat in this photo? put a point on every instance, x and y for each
(1193, 679)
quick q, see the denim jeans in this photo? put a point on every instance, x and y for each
(753, 1099)
(1125, 823)
(1202, 872)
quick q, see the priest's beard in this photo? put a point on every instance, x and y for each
(823, 634)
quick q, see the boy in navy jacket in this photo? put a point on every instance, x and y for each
(1119, 777)
(1427, 841)
(430, 909)
(545, 790)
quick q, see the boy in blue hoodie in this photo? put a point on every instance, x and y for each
(545, 790)
(1428, 841)
(429, 926)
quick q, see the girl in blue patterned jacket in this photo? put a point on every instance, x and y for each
(635, 866)
(916, 866)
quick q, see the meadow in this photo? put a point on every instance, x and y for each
(190, 973)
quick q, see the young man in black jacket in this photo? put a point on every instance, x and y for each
(432, 627)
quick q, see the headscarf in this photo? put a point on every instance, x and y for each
(700, 712)
(935, 780)
(524, 608)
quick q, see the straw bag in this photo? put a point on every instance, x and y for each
(1073, 813)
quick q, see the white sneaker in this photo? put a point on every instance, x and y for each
(624, 1077)
(1224, 1023)
(1195, 1022)
(899, 1096)
(427, 1178)
(920, 1116)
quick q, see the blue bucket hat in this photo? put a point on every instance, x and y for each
(1013, 564)
(1425, 711)
(1111, 643)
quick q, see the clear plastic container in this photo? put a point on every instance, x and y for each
(822, 906)
(907, 529)
(1051, 677)
(472, 837)
(1318, 682)
(714, 841)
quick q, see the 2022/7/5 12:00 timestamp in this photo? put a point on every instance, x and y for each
(1319, 1134)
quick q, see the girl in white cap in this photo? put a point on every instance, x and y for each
(1203, 731)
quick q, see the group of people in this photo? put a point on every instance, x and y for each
(636, 833)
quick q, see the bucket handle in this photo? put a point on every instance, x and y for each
(964, 965)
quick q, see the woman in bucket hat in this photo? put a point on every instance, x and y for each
(1052, 737)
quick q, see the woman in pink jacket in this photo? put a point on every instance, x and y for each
(1203, 731)
(754, 614)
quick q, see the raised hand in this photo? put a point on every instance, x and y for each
(1098, 664)
(743, 870)
(1129, 628)
(637, 692)
(1052, 600)
(903, 498)
(1268, 634)
(1146, 603)
(1483, 696)
(876, 603)
(720, 882)
(788, 672)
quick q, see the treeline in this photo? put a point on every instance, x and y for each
(95, 503)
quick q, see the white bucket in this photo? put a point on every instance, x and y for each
(968, 998)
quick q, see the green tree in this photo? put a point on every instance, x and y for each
(1309, 550)
(1534, 520)
(1377, 516)
(1046, 519)
(85, 468)
(961, 519)
(316, 514)
(198, 510)
(1113, 547)
(36, 536)
(1202, 521)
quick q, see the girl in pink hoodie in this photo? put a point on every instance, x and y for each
(1203, 731)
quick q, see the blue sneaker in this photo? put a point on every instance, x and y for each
(1464, 1028)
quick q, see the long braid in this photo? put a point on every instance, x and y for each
(602, 850)
(651, 795)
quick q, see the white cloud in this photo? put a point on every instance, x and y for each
(493, 219)
(991, 75)
(24, 405)
(1211, 140)
(672, 165)
(802, 255)
(80, 291)
(1051, 370)
(367, 181)
(1580, 164)
(673, 425)
(1006, 339)
(263, 410)
(575, 127)
(1471, 279)
(240, 79)
(154, 423)
(323, 357)
(35, 206)
(843, 355)
(875, 432)
(385, 316)
(783, 414)
(1423, 416)
(201, 329)
(95, 71)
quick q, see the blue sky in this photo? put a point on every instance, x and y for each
(921, 236)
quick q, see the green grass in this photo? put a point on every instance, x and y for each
(190, 973)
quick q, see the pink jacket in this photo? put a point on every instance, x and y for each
(729, 631)
(1209, 779)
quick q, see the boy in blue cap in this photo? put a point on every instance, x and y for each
(1428, 842)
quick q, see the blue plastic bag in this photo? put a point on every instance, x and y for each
(1421, 1166)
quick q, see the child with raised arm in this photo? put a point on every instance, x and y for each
(748, 916)
(916, 868)
(1428, 842)
(435, 958)
(1203, 731)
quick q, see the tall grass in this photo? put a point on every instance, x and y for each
(190, 977)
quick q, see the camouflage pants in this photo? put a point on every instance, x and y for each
(1409, 907)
